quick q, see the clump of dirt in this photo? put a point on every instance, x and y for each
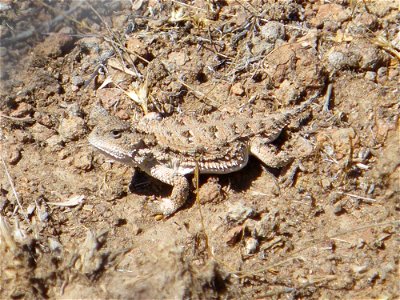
(75, 225)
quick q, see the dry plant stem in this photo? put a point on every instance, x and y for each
(189, 6)
(199, 8)
(203, 228)
(113, 35)
(199, 94)
(366, 199)
(380, 41)
(328, 98)
(6, 236)
(125, 49)
(101, 18)
(28, 33)
(13, 189)
(313, 241)
(65, 14)
(121, 67)
(248, 7)
(25, 119)
(242, 274)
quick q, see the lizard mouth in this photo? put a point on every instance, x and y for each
(114, 152)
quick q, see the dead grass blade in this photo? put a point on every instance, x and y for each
(22, 211)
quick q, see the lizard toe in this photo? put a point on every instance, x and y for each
(165, 207)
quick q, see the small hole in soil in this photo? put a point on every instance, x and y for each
(201, 77)
(258, 77)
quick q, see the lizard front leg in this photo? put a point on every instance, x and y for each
(180, 189)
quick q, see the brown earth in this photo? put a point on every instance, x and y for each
(75, 225)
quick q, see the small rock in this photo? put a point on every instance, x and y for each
(73, 109)
(55, 45)
(114, 191)
(370, 75)
(326, 183)
(338, 209)
(237, 89)
(371, 56)
(266, 227)
(136, 45)
(366, 21)
(14, 155)
(24, 109)
(31, 208)
(382, 8)
(55, 142)
(360, 244)
(83, 161)
(44, 119)
(331, 13)
(54, 245)
(359, 269)
(41, 133)
(77, 81)
(90, 44)
(178, 58)
(120, 21)
(251, 245)
(388, 268)
(122, 114)
(23, 136)
(239, 213)
(18, 293)
(66, 30)
(382, 74)
(109, 97)
(95, 27)
(272, 31)
(43, 215)
(233, 235)
(340, 60)
(287, 92)
(340, 138)
(211, 191)
(261, 46)
(114, 5)
(135, 229)
(72, 128)
(4, 6)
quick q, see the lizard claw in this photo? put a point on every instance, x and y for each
(164, 207)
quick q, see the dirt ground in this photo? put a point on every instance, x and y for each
(74, 225)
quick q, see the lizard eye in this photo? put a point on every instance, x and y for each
(116, 134)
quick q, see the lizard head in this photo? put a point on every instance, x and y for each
(116, 139)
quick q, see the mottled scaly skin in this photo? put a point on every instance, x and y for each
(170, 148)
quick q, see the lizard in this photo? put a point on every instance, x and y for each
(170, 148)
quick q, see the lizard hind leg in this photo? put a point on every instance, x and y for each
(269, 154)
